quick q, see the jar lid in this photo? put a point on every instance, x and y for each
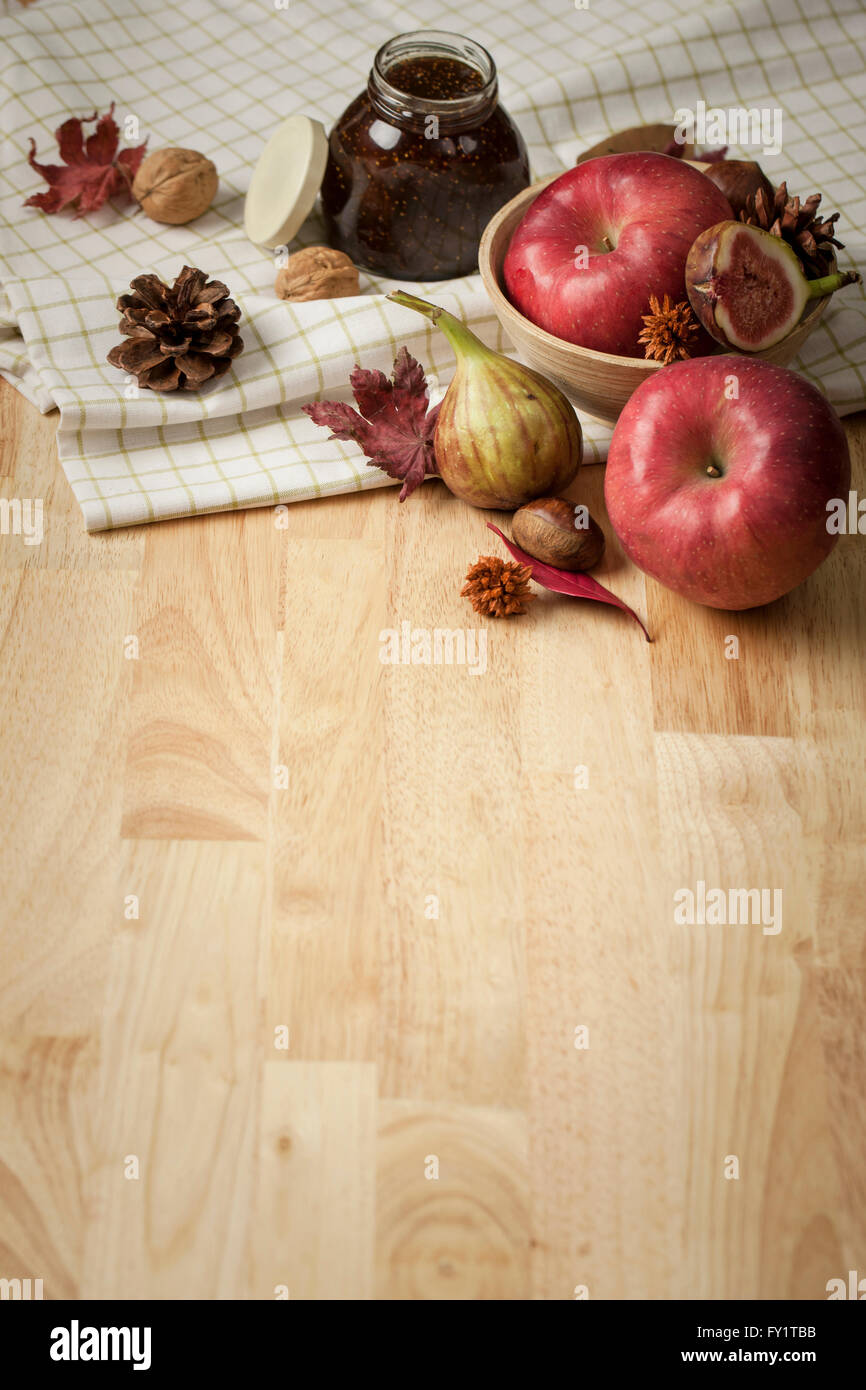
(285, 181)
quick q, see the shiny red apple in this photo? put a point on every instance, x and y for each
(603, 237)
(718, 478)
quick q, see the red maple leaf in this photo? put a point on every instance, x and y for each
(395, 428)
(92, 170)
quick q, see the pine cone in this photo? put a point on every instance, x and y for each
(176, 337)
(497, 588)
(810, 236)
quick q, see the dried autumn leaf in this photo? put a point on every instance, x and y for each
(395, 427)
(92, 171)
(577, 584)
(714, 155)
(656, 137)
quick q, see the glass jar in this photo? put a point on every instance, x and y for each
(421, 160)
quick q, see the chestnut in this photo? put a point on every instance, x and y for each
(559, 533)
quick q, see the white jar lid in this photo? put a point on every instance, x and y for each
(285, 181)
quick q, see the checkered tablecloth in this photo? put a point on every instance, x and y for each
(218, 77)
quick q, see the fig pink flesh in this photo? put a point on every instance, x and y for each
(755, 291)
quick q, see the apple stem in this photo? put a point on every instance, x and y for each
(713, 471)
(607, 243)
(826, 284)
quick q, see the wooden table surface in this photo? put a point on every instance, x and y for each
(509, 1073)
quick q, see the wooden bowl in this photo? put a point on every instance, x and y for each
(599, 382)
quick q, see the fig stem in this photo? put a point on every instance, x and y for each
(461, 338)
(826, 284)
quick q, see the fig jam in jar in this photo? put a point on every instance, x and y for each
(421, 160)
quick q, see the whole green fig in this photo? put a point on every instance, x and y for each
(504, 434)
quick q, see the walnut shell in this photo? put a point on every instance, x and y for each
(175, 186)
(317, 272)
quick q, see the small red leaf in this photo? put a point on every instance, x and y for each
(395, 428)
(576, 584)
(92, 170)
(70, 140)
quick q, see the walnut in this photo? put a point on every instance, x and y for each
(317, 272)
(174, 185)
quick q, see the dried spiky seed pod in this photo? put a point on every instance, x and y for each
(669, 330)
(497, 588)
(175, 185)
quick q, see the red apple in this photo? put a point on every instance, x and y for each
(718, 478)
(599, 240)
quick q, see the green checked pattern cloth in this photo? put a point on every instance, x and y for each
(219, 76)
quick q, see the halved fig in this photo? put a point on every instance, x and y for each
(747, 288)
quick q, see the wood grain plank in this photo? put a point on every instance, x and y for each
(736, 815)
(203, 701)
(805, 1227)
(61, 739)
(47, 1092)
(349, 517)
(452, 1215)
(451, 1012)
(698, 689)
(30, 469)
(10, 430)
(604, 1199)
(181, 1056)
(841, 995)
(313, 1221)
(327, 805)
